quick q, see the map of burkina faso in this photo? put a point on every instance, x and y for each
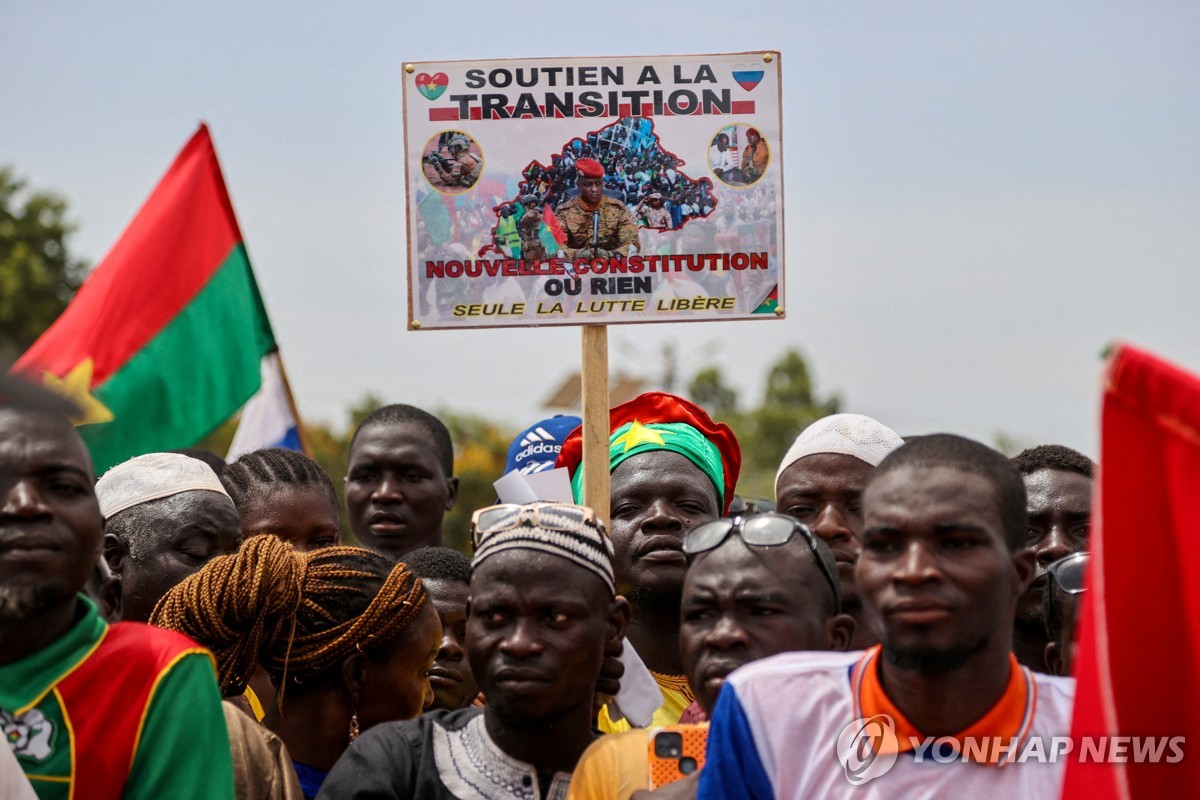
(636, 169)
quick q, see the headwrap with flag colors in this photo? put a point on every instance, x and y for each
(1139, 628)
(164, 340)
(661, 421)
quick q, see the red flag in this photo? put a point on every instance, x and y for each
(1139, 631)
(550, 232)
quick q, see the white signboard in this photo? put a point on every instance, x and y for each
(594, 191)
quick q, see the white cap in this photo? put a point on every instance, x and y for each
(153, 477)
(845, 434)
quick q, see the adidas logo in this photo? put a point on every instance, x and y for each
(537, 448)
(538, 434)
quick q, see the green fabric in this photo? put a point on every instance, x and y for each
(192, 376)
(184, 748)
(183, 751)
(22, 683)
(677, 437)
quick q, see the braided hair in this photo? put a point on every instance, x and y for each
(255, 475)
(297, 614)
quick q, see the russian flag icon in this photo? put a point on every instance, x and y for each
(747, 77)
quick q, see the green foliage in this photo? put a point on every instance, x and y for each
(765, 432)
(38, 277)
(480, 450)
(708, 389)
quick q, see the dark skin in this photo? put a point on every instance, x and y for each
(306, 516)
(386, 683)
(191, 529)
(1060, 509)
(537, 629)
(655, 498)
(50, 529)
(591, 190)
(940, 582)
(397, 489)
(744, 603)
(453, 684)
(824, 491)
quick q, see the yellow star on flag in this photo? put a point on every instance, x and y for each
(638, 434)
(76, 386)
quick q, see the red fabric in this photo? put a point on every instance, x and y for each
(178, 239)
(663, 407)
(1139, 629)
(590, 168)
(107, 697)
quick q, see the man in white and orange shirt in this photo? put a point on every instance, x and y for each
(942, 566)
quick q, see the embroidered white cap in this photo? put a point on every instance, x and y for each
(855, 435)
(153, 477)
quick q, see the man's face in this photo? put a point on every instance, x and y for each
(655, 498)
(453, 684)
(824, 491)
(1060, 511)
(591, 189)
(396, 489)
(395, 682)
(744, 603)
(936, 578)
(536, 633)
(753, 138)
(189, 530)
(306, 516)
(50, 522)
(722, 142)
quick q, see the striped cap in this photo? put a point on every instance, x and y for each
(560, 529)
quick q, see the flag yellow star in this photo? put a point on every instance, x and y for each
(638, 434)
(76, 386)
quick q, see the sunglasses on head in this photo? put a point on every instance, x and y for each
(760, 530)
(562, 517)
(1068, 573)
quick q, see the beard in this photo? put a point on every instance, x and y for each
(21, 603)
(650, 602)
(934, 661)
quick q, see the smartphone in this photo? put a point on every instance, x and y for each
(676, 752)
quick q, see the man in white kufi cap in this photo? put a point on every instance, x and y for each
(820, 482)
(165, 516)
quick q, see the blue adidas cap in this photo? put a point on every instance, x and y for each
(536, 448)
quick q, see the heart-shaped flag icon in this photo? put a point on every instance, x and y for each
(747, 76)
(432, 86)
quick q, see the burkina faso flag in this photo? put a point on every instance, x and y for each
(551, 233)
(164, 339)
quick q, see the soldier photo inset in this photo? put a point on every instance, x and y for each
(452, 162)
(738, 155)
(596, 225)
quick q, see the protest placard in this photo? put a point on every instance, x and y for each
(685, 223)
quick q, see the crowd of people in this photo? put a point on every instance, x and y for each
(187, 628)
(636, 169)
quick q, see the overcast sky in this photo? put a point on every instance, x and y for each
(979, 197)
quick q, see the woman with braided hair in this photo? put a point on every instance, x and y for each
(345, 634)
(286, 493)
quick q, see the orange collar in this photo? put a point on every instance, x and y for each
(1007, 723)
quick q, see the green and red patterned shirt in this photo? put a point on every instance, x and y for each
(117, 711)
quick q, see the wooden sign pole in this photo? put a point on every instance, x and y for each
(595, 419)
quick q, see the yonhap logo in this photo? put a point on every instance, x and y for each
(866, 748)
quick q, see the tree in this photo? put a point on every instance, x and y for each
(38, 276)
(709, 391)
(790, 403)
